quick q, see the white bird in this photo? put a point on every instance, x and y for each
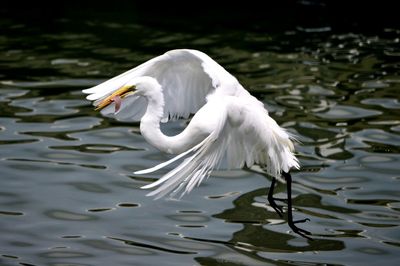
(228, 122)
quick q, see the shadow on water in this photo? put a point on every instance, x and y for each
(257, 238)
(68, 195)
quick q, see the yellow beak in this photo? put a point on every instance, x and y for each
(121, 92)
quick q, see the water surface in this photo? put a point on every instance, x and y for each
(68, 195)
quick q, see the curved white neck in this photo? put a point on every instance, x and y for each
(150, 128)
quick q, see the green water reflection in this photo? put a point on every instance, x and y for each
(68, 195)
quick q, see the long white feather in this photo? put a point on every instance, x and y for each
(246, 135)
(162, 165)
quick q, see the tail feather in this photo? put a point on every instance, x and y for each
(162, 165)
(167, 177)
(188, 174)
(174, 180)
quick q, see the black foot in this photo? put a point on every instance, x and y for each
(292, 223)
(299, 231)
(279, 199)
(301, 221)
(278, 209)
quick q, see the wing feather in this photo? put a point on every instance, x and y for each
(191, 171)
(245, 134)
(200, 161)
(260, 140)
(186, 76)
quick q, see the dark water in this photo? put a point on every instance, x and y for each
(68, 195)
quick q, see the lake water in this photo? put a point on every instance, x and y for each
(68, 195)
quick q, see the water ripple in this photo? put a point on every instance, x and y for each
(345, 113)
(68, 195)
(69, 215)
(149, 246)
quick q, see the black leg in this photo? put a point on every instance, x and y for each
(292, 223)
(271, 200)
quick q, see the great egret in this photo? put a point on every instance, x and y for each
(227, 121)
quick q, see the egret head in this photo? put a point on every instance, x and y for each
(141, 86)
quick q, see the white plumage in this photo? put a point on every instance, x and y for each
(227, 120)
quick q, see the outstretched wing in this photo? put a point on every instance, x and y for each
(244, 133)
(186, 76)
